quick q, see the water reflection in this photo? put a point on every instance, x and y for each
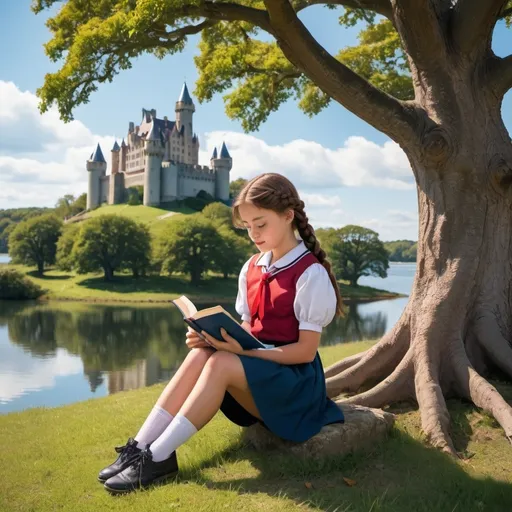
(114, 347)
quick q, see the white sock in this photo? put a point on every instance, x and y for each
(176, 434)
(157, 421)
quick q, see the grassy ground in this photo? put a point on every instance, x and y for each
(91, 287)
(51, 459)
(155, 218)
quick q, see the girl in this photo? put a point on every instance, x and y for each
(286, 295)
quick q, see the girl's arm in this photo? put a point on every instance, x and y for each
(304, 351)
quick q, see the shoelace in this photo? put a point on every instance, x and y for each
(138, 464)
(127, 450)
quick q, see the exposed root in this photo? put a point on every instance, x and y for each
(394, 388)
(495, 345)
(435, 418)
(344, 364)
(376, 363)
(483, 394)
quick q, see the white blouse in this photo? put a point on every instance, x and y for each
(315, 298)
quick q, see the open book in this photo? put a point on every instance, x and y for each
(211, 320)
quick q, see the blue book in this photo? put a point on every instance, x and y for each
(211, 320)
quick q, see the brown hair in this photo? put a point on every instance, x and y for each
(272, 191)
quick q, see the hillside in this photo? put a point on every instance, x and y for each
(155, 218)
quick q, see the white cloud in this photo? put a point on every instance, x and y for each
(358, 163)
(41, 157)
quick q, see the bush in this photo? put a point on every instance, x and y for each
(17, 286)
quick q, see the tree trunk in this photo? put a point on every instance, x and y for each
(40, 268)
(457, 324)
(108, 273)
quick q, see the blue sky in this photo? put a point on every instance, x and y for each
(364, 177)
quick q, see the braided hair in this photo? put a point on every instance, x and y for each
(273, 191)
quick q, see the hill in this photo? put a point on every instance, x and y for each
(155, 217)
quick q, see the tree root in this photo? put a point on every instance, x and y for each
(394, 388)
(344, 364)
(494, 344)
(375, 363)
(483, 394)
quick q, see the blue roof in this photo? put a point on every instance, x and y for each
(224, 153)
(185, 96)
(154, 133)
(116, 146)
(98, 155)
(214, 155)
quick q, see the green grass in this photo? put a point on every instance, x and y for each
(92, 287)
(147, 214)
(50, 459)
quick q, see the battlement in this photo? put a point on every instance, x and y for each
(201, 172)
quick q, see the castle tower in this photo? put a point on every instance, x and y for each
(221, 166)
(124, 151)
(115, 158)
(187, 148)
(96, 167)
(154, 153)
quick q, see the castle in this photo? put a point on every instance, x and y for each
(162, 156)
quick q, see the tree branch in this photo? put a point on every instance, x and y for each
(382, 7)
(395, 118)
(500, 75)
(474, 20)
(420, 24)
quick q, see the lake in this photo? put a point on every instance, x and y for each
(4, 258)
(62, 352)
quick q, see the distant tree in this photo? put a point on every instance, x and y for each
(191, 245)
(218, 213)
(65, 245)
(135, 195)
(6, 226)
(63, 206)
(138, 259)
(236, 186)
(401, 250)
(34, 241)
(358, 252)
(233, 252)
(110, 243)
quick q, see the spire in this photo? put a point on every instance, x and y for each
(154, 132)
(116, 146)
(214, 155)
(224, 153)
(184, 95)
(123, 144)
(98, 155)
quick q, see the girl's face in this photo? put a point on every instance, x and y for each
(266, 228)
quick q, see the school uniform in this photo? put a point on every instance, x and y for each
(293, 294)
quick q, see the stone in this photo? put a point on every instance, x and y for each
(363, 427)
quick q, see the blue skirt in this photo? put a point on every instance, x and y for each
(291, 399)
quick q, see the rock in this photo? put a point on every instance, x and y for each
(363, 426)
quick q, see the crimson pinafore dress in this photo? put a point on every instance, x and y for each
(291, 399)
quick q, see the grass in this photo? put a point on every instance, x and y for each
(51, 458)
(147, 214)
(92, 287)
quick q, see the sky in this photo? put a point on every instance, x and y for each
(346, 171)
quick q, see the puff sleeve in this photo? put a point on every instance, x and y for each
(315, 299)
(241, 305)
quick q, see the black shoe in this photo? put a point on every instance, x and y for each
(127, 454)
(142, 473)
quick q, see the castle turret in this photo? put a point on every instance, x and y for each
(115, 158)
(96, 167)
(154, 153)
(124, 152)
(184, 111)
(221, 166)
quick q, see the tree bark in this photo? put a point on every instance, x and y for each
(458, 321)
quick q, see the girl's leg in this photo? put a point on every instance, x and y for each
(173, 396)
(223, 371)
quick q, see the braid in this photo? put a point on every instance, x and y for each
(307, 233)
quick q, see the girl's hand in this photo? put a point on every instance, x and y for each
(194, 341)
(229, 345)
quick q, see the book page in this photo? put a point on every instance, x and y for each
(186, 306)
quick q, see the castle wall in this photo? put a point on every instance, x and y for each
(194, 178)
(132, 180)
(169, 190)
(104, 188)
